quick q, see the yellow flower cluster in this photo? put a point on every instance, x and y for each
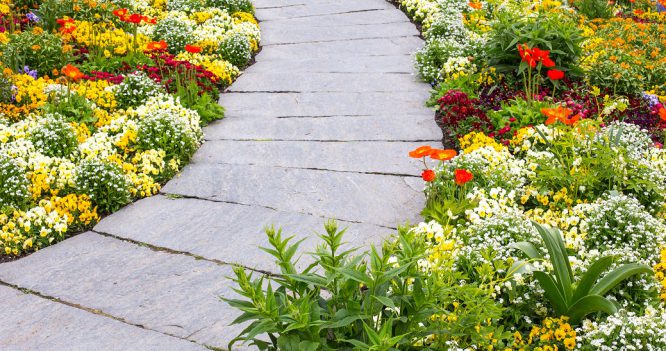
(660, 273)
(97, 92)
(223, 70)
(107, 38)
(29, 95)
(476, 140)
(554, 334)
(244, 17)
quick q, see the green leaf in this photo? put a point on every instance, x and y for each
(385, 301)
(593, 273)
(618, 275)
(559, 259)
(552, 292)
(589, 304)
(528, 249)
(356, 275)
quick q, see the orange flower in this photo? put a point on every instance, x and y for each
(428, 175)
(120, 13)
(463, 176)
(443, 155)
(156, 45)
(421, 151)
(475, 5)
(72, 72)
(557, 114)
(662, 114)
(192, 49)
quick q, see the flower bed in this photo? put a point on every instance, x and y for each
(102, 102)
(545, 217)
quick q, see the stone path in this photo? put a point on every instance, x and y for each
(318, 128)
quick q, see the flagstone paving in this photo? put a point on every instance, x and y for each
(318, 128)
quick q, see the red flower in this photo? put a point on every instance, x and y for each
(428, 175)
(662, 114)
(532, 56)
(134, 18)
(192, 49)
(463, 176)
(526, 55)
(156, 45)
(120, 13)
(555, 74)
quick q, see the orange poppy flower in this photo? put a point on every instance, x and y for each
(428, 175)
(192, 49)
(421, 151)
(156, 45)
(120, 13)
(662, 114)
(443, 155)
(557, 114)
(475, 5)
(463, 176)
(72, 72)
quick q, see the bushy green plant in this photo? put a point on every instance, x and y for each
(236, 49)
(14, 184)
(162, 131)
(233, 5)
(104, 182)
(54, 137)
(568, 296)
(518, 113)
(175, 32)
(135, 89)
(68, 104)
(371, 301)
(207, 108)
(41, 52)
(553, 31)
(594, 8)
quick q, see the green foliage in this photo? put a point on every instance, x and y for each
(54, 137)
(553, 31)
(13, 184)
(233, 5)
(343, 301)
(105, 183)
(525, 113)
(176, 33)
(42, 52)
(207, 108)
(594, 8)
(236, 49)
(164, 131)
(568, 297)
(70, 105)
(135, 89)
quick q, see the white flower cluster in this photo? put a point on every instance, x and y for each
(626, 331)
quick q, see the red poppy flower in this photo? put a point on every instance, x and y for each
(555, 74)
(443, 155)
(463, 176)
(120, 13)
(421, 151)
(428, 175)
(662, 114)
(192, 49)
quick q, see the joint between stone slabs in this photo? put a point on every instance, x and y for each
(196, 257)
(334, 140)
(325, 14)
(341, 40)
(183, 196)
(90, 310)
(388, 174)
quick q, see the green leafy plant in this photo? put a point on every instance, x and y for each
(41, 52)
(370, 301)
(568, 297)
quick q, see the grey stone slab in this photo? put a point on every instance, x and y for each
(345, 128)
(360, 64)
(32, 323)
(222, 231)
(341, 19)
(337, 156)
(328, 82)
(340, 49)
(284, 33)
(261, 105)
(368, 198)
(317, 8)
(168, 293)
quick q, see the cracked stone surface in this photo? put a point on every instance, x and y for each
(318, 128)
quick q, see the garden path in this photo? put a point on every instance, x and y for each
(318, 128)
